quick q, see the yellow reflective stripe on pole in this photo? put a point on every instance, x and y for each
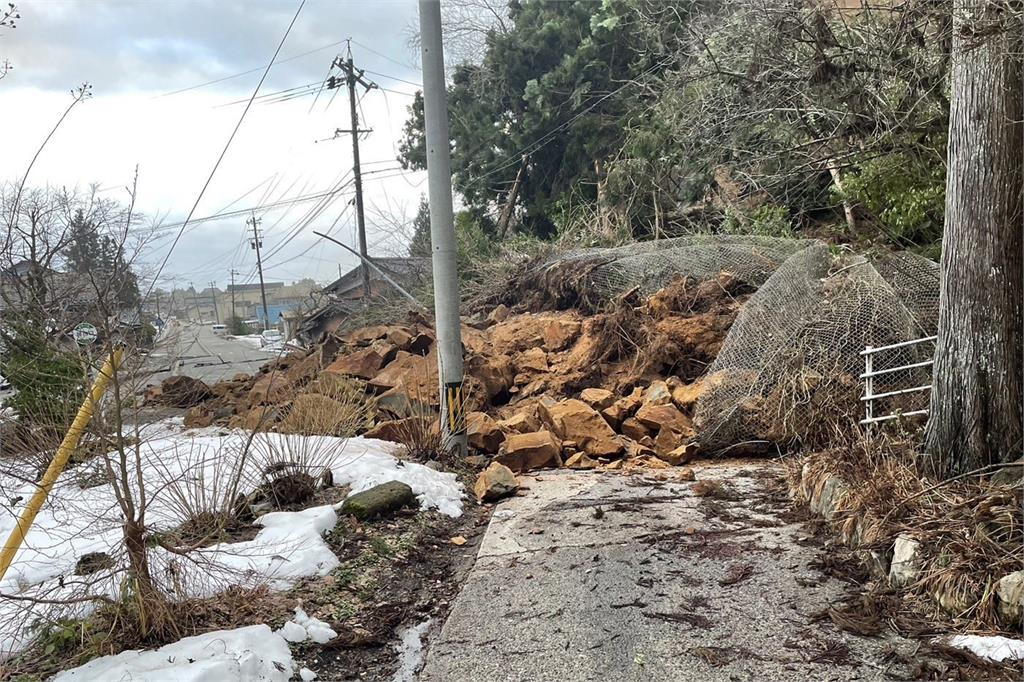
(60, 460)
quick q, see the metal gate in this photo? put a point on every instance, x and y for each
(884, 372)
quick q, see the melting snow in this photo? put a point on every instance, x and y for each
(993, 648)
(76, 520)
(248, 654)
(410, 652)
(304, 627)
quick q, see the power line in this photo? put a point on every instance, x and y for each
(246, 73)
(226, 146)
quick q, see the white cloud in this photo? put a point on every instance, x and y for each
(175, 140)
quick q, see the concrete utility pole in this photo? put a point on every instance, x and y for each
(213, 297)
(352, 77)
(442, 228)
(233, 316)
(256, 242)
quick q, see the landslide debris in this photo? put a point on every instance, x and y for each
(613, 389)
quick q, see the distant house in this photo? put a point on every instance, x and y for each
(344, 295)
(410, 273)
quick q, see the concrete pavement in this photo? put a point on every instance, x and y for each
(592, 576)
(194, 350)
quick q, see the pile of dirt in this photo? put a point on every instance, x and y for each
(543, 388)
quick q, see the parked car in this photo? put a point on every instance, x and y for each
(220, 329)
(271, 336)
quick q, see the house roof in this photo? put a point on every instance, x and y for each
(399, 269)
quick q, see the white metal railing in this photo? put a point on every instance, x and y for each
(870, 373)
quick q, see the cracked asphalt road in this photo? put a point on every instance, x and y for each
(591, 576)
(194, 350)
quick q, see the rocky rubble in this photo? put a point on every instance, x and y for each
(544, 389)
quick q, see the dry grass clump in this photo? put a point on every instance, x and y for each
(291, 468)
(971, 531)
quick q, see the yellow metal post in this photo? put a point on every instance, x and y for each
(60, 460)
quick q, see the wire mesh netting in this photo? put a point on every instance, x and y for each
(790, 368)
(649, 266)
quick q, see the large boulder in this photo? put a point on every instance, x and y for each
(623, 408)
(598, 398)
(655, 417)
(685, 395)
(521, 422)
(632, 428)
(379, 500)
(494, 482)
(532, 360)
(559, 333)
(525, 451)
(398, 430)
(416, 374)
(198, 416)
(364, 336)
(483, 433)
(364, 363)
(183, 391)
(576, 421)
(270, 389)
(494, 372)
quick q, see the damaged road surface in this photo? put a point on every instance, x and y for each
(601, 577)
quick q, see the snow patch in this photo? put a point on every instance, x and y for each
(410, 652)
(307, 675)
(247, 654)
(304, 627)
(993, 647)
(289, 546)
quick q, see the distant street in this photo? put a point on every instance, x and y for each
(194, 350)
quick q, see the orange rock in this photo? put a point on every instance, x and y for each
(364, 364)
(365, 335)
(598, 398)
(682, 455)
(685, 396)
(624, 408)
(535, 359)
(632, 428)
(494, 372)
(581, 461)
(417, 374)
(525, 451)
(494, 482)
(658, 416)
(270, 389)
(483, 433)
(575, 420)
(521, 422)
(559, 333)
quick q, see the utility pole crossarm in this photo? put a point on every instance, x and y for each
(352, 78)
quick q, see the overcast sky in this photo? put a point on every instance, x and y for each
(134, 53)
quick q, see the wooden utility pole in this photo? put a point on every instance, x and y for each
(213, 297)
(195, 302)
(256, 242)
(352, 77)
(233, 315)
